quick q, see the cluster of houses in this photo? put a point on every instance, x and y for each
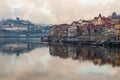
(15, 25)
(100, 29)
(20, 27)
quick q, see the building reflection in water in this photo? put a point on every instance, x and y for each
(19, 46)
(98, 55)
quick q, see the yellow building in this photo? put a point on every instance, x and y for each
(117, 29)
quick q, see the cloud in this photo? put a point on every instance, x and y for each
(57, 11)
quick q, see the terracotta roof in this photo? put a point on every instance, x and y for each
(105, 19)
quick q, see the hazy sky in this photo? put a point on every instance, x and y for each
(56, 11)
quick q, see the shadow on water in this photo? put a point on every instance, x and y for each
(98, 55)
(19, 46)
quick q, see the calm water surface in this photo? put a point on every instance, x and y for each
(28, 59)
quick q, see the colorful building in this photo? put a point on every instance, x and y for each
(117, 30)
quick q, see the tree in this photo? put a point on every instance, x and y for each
(17, 18)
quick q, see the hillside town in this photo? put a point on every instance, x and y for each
(99, 29)
(22, 28)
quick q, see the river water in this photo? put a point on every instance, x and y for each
(29, 59)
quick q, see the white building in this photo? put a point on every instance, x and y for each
(72, 31)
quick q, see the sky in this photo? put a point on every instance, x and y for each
(56, 11)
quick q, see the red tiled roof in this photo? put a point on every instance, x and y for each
(105, 19)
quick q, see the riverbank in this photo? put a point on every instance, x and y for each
(86, 42)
